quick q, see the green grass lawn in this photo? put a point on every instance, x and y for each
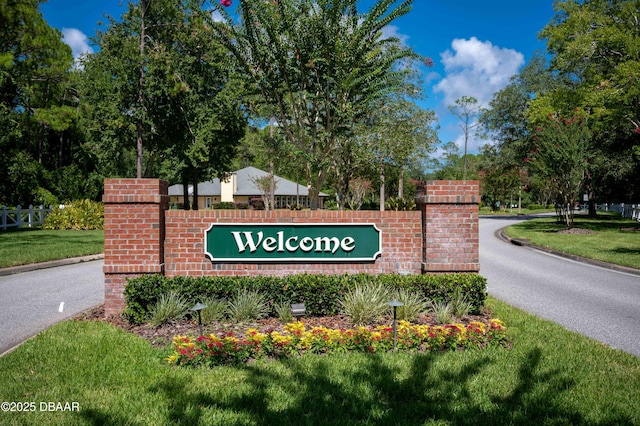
(513, 211)
(612, 240)
(25, 246)
(549, 376)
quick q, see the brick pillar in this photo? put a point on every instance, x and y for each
(450, 226)
(133, 234)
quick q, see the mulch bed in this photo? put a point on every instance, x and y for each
(161, 337)
(576, 231)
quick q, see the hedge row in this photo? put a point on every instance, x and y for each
(319, 293)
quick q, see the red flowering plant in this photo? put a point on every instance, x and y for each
(296, 340)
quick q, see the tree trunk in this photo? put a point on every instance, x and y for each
(195, 189)
(272, 187)
(139, 126)
(382, 188)
(185, 194)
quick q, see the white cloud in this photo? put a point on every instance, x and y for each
(216, 16)
(390, 31)
(78, 42)
(477, 69)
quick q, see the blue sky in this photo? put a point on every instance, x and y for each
(475, 46)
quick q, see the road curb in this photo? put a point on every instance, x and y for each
(523, 242)
(51, 264)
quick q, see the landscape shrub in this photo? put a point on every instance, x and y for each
(247, 305)
(79, 215)
(169, 308)
(321, 294)
(366, 304)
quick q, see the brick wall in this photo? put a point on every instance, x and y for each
(450, 226)
(133, 233)
(143, 237)
(184, 245)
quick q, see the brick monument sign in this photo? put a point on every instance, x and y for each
(142, 236)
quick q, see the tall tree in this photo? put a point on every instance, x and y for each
(562, 155)
(596, 44)
(466, 109)
(184, 102)
(319, 66)
(35, 100)
(398, 133)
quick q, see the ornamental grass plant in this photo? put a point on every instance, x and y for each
(442, 312)
(413, 304)
(283, 311)
(247, 305)
(366, 303)
(460, 305)
(170, 308)
(216, 310)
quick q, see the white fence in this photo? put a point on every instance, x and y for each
(629, 211)
(23, 217)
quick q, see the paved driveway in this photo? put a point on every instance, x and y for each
(598, 302)
(34, 300)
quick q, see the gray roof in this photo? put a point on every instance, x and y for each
(245, 186)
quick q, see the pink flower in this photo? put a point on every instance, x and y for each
(225, 3)
(637, 129)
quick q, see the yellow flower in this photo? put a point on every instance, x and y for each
(478, 325)
(293, 327)
(496, 323)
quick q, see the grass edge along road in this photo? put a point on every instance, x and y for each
(26, 246)
(549, 376)
(607, 238)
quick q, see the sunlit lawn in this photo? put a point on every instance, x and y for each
(549, 376)
(25, 246)
(612, 240)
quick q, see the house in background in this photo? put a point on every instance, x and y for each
(240, 189)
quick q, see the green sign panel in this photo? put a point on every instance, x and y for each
(292, 242)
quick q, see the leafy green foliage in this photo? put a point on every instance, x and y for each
(161, 80)
(216, 310)
(247, 305)
(39, 134)
(321, 294)
(318, 67)
(561, 156)
(397, 203)
(169, 308)
(413, 302)
(283, 311)
(442, 312)
(366, 304)
(460, 304)
(81, 214)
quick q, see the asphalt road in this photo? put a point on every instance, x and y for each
(34, 300)
(597, 302)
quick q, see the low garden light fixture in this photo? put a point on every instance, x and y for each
(298, 310)
(395, 303)
(197, 308)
